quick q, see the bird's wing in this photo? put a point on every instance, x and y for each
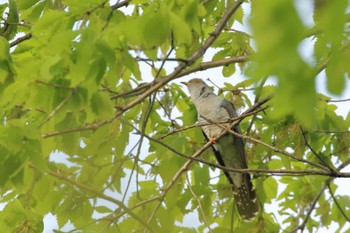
(230, 152)
(238, 142)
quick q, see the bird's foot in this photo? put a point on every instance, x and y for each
(212, 140)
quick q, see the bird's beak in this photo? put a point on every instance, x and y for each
(185, 83)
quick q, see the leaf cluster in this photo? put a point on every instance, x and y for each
(93, 132)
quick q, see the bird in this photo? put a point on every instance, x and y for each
(229, 150)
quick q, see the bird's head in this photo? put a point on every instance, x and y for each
(197, 87)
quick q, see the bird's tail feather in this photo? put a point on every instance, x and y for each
(245, 198)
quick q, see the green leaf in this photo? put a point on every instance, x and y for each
(102, 106)
(25, 4)
(270, 187)
(6, 66)
(181, 31)
(155, 25)
(103, 209)
(47, 25)
(81, 7)
(336, 73)
(9, 31)
(228, 70)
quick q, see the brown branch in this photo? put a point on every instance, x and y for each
(332, 131)
(313, 205)
(120, 4)
(21, 39)
(134, 92)
(213, 64)
(313, 151)
(92, 126)
(229, 130)
(195, 56)
(161, 59)
(185, 167)
(87, 188)
(338, 205)
(200, 67)
(336, 101)
(240, 117)
(257, 97)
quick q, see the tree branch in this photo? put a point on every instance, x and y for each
(21, 39)
(197, 54)
(213, 64)
(96, 193)
(313, 205)
(240, 117)
(59, 106)
(313, 151)
(337, 204)
(200, 67)
(229, 130)
(120, 4)
(199, 202)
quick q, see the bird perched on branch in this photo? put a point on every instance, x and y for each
(229, 149)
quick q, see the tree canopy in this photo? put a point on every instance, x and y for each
(96, 131)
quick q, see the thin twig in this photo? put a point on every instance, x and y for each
(332, 131)
(92, 126)
(198, 201)
(21, 39)
(59, 106)
(87, 188)
(200, 67)
(257, 97)
(161, 59)
(337, 204)
(195, 56)
(120, 4)
(212, 64)
(336, 101)
(313, 205)
(313, 151)
(229, 130)
(205, 124)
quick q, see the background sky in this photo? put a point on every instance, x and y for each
(305, 9)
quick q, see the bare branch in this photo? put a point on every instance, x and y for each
(312, 207)
(161, 59)
(336, 101)
(195, 56)
(204, 124)
(92, 126)
(21, 39)
(213, 64)
(313, 204)
(337, 204)
(313, 151)
(229, 130)
(202, 66)
(198, 201)
(332, 131)
(120, 4)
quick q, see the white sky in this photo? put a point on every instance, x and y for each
(304, 8)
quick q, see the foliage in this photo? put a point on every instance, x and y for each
(94, 132)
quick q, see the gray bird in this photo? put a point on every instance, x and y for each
(229, 149)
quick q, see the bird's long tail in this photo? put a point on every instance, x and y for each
(245, 198)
